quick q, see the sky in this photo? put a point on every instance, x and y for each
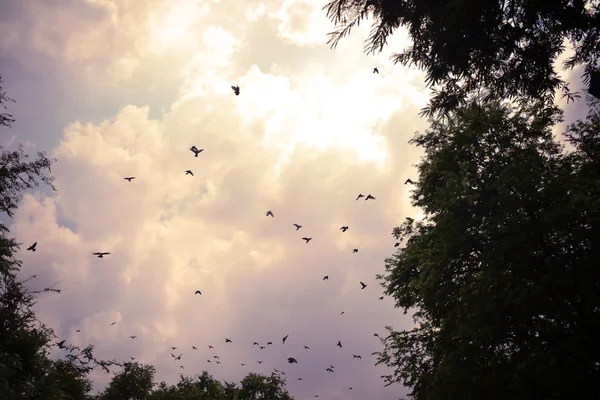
(117, 88)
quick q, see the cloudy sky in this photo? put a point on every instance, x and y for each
(116, 88)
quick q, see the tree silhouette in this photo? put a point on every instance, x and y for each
(502, 272)
(504, 49)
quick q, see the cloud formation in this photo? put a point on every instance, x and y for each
(311, 129)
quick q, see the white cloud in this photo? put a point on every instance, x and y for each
(298, 140)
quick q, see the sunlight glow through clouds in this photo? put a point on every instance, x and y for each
(312, 128)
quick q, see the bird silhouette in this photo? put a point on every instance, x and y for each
(297, 226)
(397, 244)
(216, 357)
(113, 323)
(328, 370)
(369, 197)
(326, 277)
(344, 228)
(32, 247)
(342, 313)
(227, 340)
(375, 70)
(292, 360)
(356, 356)
(260, 362)
(242, 364)
(268, 343)
(339, 344)
(256, 344)
(181, 366)
(196, 150)
(285, 338)
(375, 335)
(306, 347)
(129, 178)
(381, 298)
(355, 251)
(208, 360)
(270, 213)
(236, 90)
(178, 357)
(300, 379)
(218, 362)
(307, 239)
(132, 337)
(132, 358)
(173, 348)
(363, 285)
(78, 330)
(262, 347)
(360, 195)
(101, 255)
(197, 292)
(408, 181)
(210, 347)
(189, 172)
(194, 347)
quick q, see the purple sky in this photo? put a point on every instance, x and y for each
(123, 88)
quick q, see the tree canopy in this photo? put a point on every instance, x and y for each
(502, 271)
(504, 49)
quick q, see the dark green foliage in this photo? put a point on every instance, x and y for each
(503, 272)
(502, 48)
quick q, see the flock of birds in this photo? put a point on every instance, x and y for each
(215, 358)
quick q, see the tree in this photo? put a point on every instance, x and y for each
(135, 382)
(256, 386)
(5, 118)
(504, 48)
(503, 271)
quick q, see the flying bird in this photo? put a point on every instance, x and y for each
(339, 344)
(307, 348)
(329, 370)
(189, 172)
(227, 340)
(344, 228)
(132, 358)
(375, 70)
(78, 330)
(307, 239)
(173, 348)
(210, 347)
(181, 366)
(360, 195)
(101, 255)
(196, 150)
(197, 292)
(297, 226)
(218, 362)
(292, 360)
(285, 338)
(260, 362)
(270, 213)
(300, 379)
(255, 344)
(129, 178)
(262, 347)
(356, 356)
(178, 357)
(381, 298)
(408, 181)
(236, 90)
(369, 197)
(208, 361)
(342, 313)
(216, 357)
(242, 364)
(32, 247)
(132, 337)
(194, 347)
(375, 335)
(355, 251)
(113, 323)
(268, 343)
(363, 285)
(326, 277)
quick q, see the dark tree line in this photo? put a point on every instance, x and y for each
(502, 273)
